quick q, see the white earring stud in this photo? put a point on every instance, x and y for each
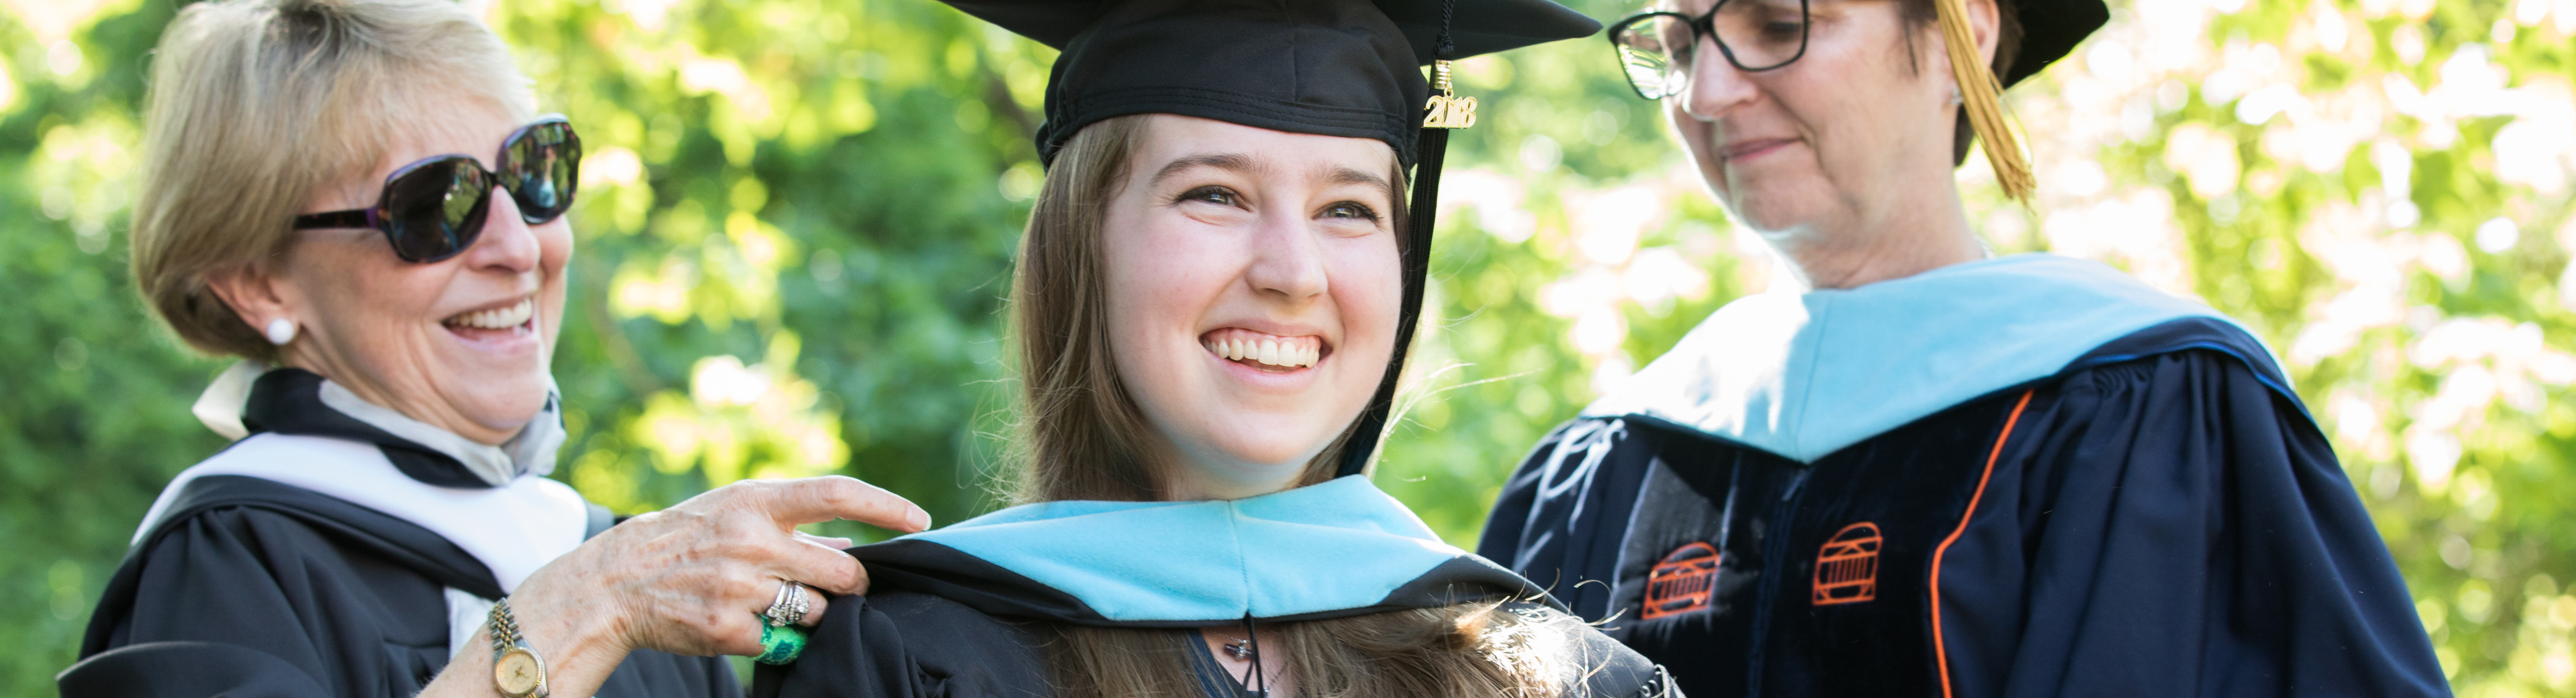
(280, 331)
(1955, 99)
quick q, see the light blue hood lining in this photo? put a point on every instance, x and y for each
(1338, 545)
(1803, 375)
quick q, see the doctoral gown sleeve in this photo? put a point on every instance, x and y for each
(909, 645)
(2176, 526)
(249, 602)
(1564, 511)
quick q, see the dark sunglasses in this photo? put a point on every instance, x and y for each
(433, 209)
(1655, 49)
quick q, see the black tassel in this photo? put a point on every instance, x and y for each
(1430, 147)
(1425, 214)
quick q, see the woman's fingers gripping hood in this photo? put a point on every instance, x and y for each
(816, 499)
(753, 507)
(693, 579)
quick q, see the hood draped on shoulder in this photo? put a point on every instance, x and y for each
(1337, 549)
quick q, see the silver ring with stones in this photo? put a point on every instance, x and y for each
(789, 607)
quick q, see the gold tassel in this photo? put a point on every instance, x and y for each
(1981, 95)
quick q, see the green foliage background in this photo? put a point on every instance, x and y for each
(798, 219)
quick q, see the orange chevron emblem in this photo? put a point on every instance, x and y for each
(1847, 566)
(1682, 582)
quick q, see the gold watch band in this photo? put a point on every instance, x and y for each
(516, 669)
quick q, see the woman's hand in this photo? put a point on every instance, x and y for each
(690, 579)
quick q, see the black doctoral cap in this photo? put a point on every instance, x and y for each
(1349, 68)
(2050, 29)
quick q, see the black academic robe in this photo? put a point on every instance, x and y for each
(248, 587)
(970, 616)
(2161, 517)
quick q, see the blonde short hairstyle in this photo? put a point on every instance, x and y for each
(257, 104)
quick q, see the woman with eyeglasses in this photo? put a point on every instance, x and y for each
(358, 199)
(1914, 468)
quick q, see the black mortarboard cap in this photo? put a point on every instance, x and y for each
(1348, 68)
(2050, 29)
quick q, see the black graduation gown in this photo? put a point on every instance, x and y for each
(2158, 517)
(956, 614)
(248, 587)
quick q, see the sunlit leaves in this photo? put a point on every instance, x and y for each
(740, 421)
(748, 194)
(2365, 182)
(84, 175)
(96, 419)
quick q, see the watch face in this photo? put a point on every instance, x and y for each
(518, 673)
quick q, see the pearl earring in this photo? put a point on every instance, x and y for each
(281, 331)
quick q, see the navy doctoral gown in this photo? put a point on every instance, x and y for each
(2029, 477)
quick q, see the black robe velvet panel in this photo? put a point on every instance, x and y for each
(941, 623)
(2162, 518)
(905, 644)
(250, 588)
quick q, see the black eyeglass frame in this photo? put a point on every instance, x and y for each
(1704, 27)
(380, 216)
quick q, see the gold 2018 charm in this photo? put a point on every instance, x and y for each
(1447, 109)
(1450, 112)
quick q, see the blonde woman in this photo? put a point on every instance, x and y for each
(359, 200)
(1214, 290)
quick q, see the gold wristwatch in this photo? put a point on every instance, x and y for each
(516, 668)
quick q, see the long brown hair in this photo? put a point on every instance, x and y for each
(1083, 437)
(1469, 650)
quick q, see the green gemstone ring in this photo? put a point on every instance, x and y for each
(780, 645)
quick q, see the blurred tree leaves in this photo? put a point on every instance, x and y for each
(95, 419)
(792, 245)
(2381, 188)
(798, 217)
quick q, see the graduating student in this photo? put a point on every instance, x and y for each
(358, 200)
(1214, 294)
(1920, 471)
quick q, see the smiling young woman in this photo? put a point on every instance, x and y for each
(1198, 238)
(1143, 309)
(1210, 304)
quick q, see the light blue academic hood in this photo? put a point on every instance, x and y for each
(1802, 375)
(1334, 546)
